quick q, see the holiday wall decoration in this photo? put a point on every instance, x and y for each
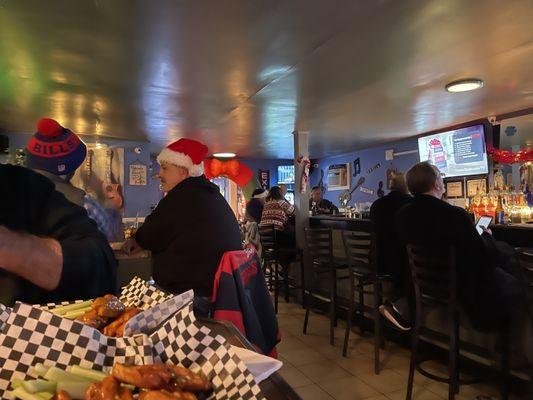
(510, 157)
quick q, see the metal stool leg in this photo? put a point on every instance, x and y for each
(286, 281)
(302, 278)
(412, 364)
(332, 306)
(276, 286)
(377, 326)
(308, 302)
(361, 307)
(349, 316)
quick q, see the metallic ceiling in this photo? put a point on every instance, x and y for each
(242, 75)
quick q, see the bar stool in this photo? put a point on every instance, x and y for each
(434, 279)
(320, 248)
(526, 266)
(273, 257)
(361, 256)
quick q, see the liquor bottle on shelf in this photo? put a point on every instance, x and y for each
(499, 212)
(491, 206)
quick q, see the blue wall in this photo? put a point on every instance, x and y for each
(368, 159)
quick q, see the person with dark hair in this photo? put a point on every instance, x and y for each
(391, 254)
(254, 208)
(50, 250)
(280, 213)
(318, 205)
(487, 289)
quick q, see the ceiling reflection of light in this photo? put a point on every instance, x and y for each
(162, 79)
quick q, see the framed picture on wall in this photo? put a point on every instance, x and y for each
(454, 189)
(338, 177)
(477, 185)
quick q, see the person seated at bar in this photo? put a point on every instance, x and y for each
(487, 288)
(318, 205)
(50, 250)
(254, 208)
(280, 213)
(252, 217)
(191, 227)
(391, 254)
(57, 153)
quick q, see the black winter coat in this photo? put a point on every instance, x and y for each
(485, 290)
(392, 256)
(29, 203)
(188, 232)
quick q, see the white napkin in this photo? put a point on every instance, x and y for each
(260, 366)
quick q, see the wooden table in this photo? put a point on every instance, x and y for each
(274, 387)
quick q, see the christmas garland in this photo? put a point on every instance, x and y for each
(510, 157)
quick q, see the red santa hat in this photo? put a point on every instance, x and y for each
(186, 153)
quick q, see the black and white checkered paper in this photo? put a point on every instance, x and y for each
(4, 315)
(165, 332)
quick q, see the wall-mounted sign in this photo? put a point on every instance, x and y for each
(138, 174)
(339, 177)
(264, 178)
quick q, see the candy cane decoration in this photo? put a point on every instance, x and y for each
(305, 172)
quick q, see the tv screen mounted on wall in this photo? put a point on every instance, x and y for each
(459, 152)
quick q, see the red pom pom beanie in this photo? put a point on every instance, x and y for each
(55, 149)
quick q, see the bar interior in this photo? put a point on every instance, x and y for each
(266, 200)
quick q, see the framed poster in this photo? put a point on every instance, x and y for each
(138, 174)
(339, 177)
(476, 186)
(454, 189)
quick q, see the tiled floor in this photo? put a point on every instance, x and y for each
(317, 370)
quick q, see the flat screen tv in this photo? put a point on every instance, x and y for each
(461, 152)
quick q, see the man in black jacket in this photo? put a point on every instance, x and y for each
(391, 253)
(50, 250)
(319, 205)
(486, 291)
(192, 226)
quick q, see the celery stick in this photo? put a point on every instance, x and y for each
(76, 313)
(76, 390)
(41, 369)
(39, 385)
(21, 394)
(56, 374)
(45, 395)
(16, 383)
(71, 307)
(90, 374)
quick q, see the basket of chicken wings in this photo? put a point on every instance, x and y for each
(144, 344)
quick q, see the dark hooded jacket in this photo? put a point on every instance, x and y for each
(29, 203)
(187, 233)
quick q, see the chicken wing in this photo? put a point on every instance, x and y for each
(116, 328)
(108, 306)
(62, 395)
(165, 395)
(157, 376)
(189, 381)
(92, 318)
(108, 389)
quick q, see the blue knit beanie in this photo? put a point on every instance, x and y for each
(55, 149)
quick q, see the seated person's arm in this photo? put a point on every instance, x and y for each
(23, 254)
(69, 258)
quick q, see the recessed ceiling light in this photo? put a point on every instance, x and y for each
(464, 85)
(224, 155)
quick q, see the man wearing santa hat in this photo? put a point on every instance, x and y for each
(191, 227)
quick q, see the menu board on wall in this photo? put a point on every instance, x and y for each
(138, 175)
